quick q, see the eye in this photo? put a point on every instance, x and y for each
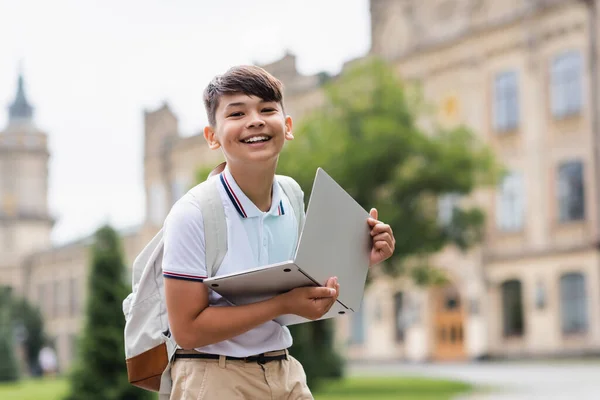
(269, 109)
(236, 114)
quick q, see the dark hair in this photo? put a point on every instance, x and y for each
(246, 79)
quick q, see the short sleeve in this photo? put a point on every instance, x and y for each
(183, 236)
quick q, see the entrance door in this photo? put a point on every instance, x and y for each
(448, 322)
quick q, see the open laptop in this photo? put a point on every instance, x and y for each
(335, 241)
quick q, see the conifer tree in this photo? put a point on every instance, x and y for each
(100, 371)
(9, 366)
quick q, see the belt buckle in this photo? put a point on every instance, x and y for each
(261, 359)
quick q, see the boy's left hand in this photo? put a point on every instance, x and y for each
(383, 239)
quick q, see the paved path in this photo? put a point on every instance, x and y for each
(558, 380)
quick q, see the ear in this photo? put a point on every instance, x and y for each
(288, 128)
(211, 138)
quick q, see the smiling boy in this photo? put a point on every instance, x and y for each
(239, 352)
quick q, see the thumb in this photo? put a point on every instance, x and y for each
(373, 213)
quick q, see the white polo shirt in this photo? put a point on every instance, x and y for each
(254, 238)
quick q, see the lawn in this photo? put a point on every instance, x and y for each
(391, 389)
(38, 389)
(349, 389)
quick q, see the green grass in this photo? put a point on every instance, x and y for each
(34, 389)
(348, 389)
(391, 388)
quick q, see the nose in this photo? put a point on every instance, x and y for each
(255, 121)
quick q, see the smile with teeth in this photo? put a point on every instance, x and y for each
(256, 139)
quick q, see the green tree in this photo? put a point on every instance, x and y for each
(29, 317)
(367, 138)
(9, 367)
(100, 371)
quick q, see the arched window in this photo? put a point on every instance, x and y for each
(512, 308)
(573, 303)
(506, 101)
(566, 84)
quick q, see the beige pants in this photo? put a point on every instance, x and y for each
(200, 379)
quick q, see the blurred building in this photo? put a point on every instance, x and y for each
(517, 72)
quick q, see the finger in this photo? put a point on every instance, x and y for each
(318, 292)
(331, 282)
(373, 222)
(382, 246)
(329, 305)
(373, 213)
(381, 228)
(383, 237)
(382, 253)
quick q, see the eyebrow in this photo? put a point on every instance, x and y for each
(241, 103)
(236, 104)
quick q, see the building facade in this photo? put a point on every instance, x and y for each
(519, 74)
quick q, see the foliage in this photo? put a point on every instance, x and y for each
(9, 367)
(100, 372)
(368, 139)
(29, 317)
(314, 348)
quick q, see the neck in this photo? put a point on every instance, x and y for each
(256, 182)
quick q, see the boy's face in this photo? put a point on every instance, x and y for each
(248, 129)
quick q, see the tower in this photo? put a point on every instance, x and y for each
(393, 27)
(25, 221)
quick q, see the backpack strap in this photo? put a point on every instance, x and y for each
(149, 253)
(296, 196)
(213, 215)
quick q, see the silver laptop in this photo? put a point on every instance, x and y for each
(335, 241)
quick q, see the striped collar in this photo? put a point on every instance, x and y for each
(243, 205)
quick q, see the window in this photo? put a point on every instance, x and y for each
(357, 326)
(573, 303)
(506, 101)
(512, 308)
(571, 203)
(446, 208)
(157, 204)
(566, 90)
(399, 316)
(451, 299)
(56, 299)
(510, 204)
(42, 300)
(73, 297)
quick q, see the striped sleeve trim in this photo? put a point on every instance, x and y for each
(184, 277)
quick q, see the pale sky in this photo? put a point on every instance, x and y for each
(91, 67)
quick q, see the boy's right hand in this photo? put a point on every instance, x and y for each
(311, 302)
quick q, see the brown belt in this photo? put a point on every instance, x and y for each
(260, 358)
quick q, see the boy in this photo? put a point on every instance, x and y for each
(240, 352)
